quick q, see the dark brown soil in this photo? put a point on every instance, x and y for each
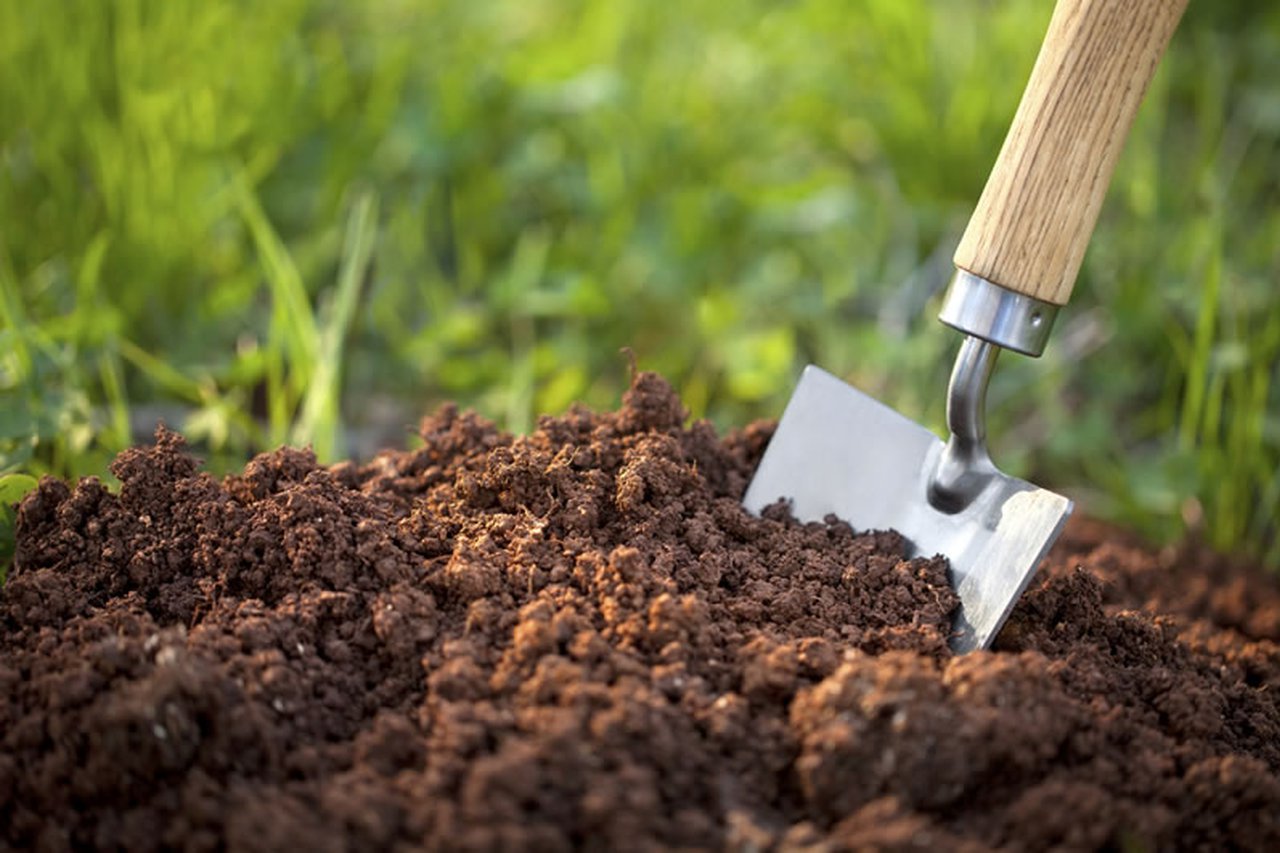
(580, 640)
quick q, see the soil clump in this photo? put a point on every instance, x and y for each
(579, 639)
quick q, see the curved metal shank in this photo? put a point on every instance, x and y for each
(965, 467)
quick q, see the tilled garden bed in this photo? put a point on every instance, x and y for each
(578, 639)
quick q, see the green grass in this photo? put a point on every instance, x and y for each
(272, 219)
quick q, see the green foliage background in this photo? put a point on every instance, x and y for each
(274, 218)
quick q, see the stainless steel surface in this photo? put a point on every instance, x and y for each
(965, 466)
(986, 310)
(837, 451)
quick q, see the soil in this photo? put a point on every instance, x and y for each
(578, 639)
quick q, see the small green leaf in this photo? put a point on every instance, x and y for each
(12, 489)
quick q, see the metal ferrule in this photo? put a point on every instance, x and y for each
(997, 314)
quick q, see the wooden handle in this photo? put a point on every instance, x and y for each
(1037, 212)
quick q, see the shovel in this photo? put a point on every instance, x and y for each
(838, 452)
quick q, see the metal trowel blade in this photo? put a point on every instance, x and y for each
(839, 452)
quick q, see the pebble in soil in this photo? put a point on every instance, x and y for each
(579, 639)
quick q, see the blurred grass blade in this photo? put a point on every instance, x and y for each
(115, 397)
(293, 342)
(320, 421)
(1198, 379)
(12, 315)
(161, 372)
(519, 290)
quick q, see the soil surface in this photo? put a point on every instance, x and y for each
(578, 639)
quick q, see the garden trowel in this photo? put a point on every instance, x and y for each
(838, 452)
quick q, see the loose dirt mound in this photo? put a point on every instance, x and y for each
(579, 639)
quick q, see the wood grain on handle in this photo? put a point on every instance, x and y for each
(1037, 212)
